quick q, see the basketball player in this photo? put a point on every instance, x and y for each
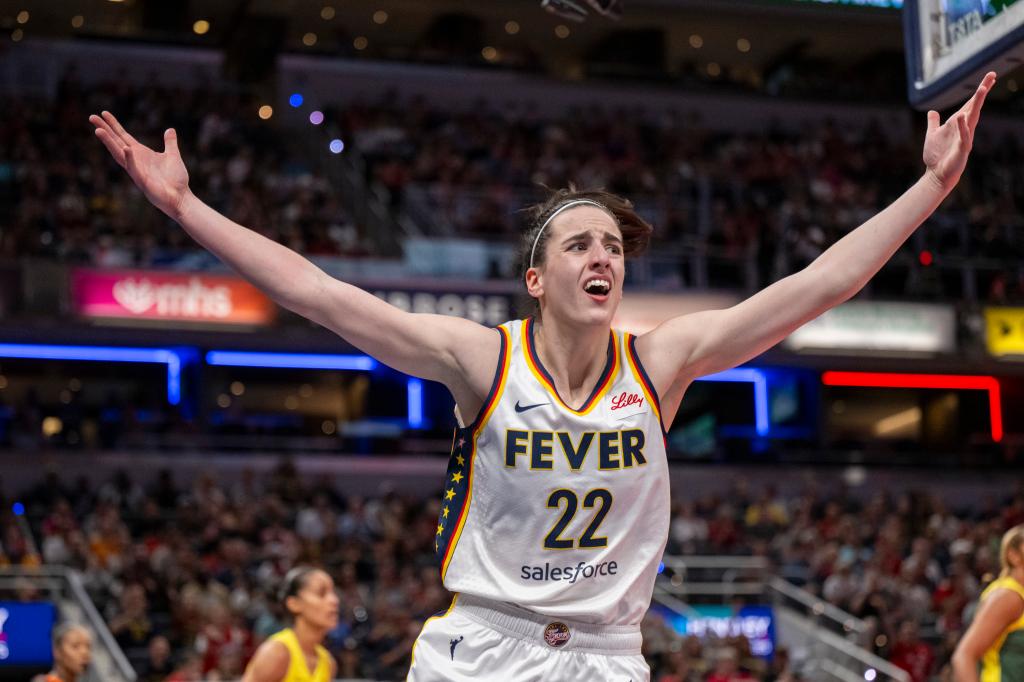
(556, 503)
(72, 653)
(295, 654)
(992, 649)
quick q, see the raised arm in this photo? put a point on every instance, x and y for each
(694, 345)
(456, 352)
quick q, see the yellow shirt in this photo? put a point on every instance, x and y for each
(1004, 660)
(298, 669)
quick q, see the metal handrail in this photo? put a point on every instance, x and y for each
(818, 606)
(884, 670)
(81, 597)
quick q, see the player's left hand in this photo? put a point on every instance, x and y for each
(947, 146)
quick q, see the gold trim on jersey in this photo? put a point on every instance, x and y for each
(536, 367)
(496, 390)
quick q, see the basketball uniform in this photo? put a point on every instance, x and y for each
(298, 669)
(554, 519)
(1004, 660)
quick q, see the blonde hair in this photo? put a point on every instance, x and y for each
(1012, 539)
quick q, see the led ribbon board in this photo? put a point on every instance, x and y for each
(231, 358)
(760, 382)
(163, 356)
(939, 381)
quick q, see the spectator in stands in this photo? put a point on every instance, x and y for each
(72, 654)
(158, 665)
(727, 667)
(911, 654)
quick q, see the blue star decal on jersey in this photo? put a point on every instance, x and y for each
(455, 495)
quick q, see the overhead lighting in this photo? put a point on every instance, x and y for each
(316, 117)
(696, 42)
(489, 53)
(380, 17)
(511, 27)
(265, 112)
(327, 13)
(309, 40)
(562, 31)
(17, 34)
(77, 21)
(949, 382)
(201, 27)
(743, 45)
(360, 42)
(22, 17)
(296, 100)
(336, 146)
(714, 70)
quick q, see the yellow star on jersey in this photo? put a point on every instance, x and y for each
(461, 460)
(440, 528)
(449, 494)
(444, 512)
(457, 477)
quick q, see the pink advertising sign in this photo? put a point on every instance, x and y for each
(171, 296)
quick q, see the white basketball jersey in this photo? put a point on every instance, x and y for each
(561, 511)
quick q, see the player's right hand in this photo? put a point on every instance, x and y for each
(161, 176)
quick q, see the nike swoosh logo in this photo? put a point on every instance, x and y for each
(524, 408)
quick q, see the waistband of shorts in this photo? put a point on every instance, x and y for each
(528, 626)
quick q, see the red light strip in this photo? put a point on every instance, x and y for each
(946, 381)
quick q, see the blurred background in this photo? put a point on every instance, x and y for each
(171, 442)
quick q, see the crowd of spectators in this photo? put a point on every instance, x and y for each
(184, 574)
(767, 202)
(777, 197)
(61, 195)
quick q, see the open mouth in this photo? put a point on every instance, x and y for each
(598, 287)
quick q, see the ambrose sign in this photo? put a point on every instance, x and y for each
(171, 296)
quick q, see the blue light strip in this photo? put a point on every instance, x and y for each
(760, 382)
(161, 356)
(233, 358)
(414, 393)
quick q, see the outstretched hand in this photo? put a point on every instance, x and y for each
(160, 175)
(947, 146)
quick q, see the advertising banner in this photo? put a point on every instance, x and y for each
(1004, 331)
(169, 296)
(877, 326)
(25, 633)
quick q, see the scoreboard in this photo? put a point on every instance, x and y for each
(950, 44)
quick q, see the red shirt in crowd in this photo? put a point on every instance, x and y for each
(916, 658)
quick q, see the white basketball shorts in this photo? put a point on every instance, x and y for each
(477, 639)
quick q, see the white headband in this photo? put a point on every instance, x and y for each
(574, 202)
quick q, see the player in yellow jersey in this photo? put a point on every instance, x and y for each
(295, 654)
(992, 649)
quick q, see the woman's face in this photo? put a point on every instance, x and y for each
(580, 280)
(75, 651)
(316, 601)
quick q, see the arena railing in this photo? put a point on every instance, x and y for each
(835, 639)
(65, 589)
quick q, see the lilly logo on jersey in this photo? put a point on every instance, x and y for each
(557, 634)
(625, 399)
